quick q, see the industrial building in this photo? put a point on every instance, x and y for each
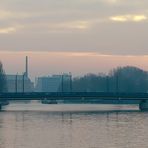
(54, 83)
(20, 83)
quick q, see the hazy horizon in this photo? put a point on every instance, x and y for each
(81, 36)
(78, 63)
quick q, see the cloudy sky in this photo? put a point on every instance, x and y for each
(74, 33)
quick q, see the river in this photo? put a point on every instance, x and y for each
(35, 125)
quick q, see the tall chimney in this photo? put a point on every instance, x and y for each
(26, 73)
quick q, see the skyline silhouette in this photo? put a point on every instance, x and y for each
(48, 63)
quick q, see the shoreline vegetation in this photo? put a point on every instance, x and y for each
(120, 79)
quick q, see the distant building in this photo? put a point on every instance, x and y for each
(54, 83)
(20, 83)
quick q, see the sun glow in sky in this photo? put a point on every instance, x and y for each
(73, 35)
(79, 63)
(124, 18)
(7, 30)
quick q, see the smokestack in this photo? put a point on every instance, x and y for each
(26, 73)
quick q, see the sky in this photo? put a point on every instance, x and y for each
(78, 36)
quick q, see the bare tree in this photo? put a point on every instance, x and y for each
(3, 85)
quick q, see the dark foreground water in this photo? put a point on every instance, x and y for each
(73, 126)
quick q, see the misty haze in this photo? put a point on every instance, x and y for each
(73, 74)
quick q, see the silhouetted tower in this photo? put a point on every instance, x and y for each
(16, 77)
(26, 71)
(107, 84)
(25, 75)
(62, 83)
(23, 83)
(70, 76)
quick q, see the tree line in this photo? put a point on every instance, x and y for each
(121, 79)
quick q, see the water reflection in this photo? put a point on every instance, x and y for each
(101, 129)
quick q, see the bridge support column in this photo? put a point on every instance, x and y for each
(0, 107)
(143, 106)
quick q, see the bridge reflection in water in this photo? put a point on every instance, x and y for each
(82, 97)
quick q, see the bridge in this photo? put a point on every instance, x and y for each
(83, 97)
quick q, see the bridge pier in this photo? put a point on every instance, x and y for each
(0, 107)
(143, 106)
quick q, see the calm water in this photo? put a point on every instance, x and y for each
(72, 126)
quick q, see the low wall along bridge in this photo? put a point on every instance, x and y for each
(81, 97)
